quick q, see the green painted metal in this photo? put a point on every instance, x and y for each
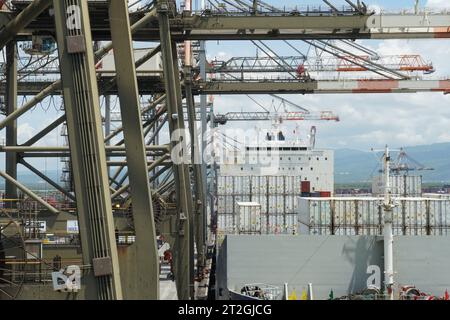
(11, 106)
(142, 273)
(183, 244)
(81, 101)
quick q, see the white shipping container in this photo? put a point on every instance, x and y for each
(220, 185)
(221, 204)
(273, 185)
(280, 188)
(273, 205)
(411, 216)
(259, 185)
(280, 205)
(273, 224)
(226, 224)
(262, 200)
(238, 199)
(290, 202)
(229, 204)
(401, 185)
(249, 218)
(291, 224)
(242, 185)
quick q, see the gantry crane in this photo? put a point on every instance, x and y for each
(406, 63)
(279, 117)
(405, 163)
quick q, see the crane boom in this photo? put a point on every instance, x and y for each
(284, 116)
(405, 63)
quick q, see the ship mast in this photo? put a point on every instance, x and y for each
(388, 206)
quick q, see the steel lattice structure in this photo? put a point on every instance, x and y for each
(155, 194)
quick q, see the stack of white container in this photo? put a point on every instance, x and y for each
(363, 216)
(276, 194)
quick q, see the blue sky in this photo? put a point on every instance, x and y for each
(367, 120)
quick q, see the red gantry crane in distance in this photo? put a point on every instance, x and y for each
(276, 116)
(300, 66)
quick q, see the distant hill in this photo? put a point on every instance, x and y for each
(33, 181)
(351, 166)
(358, 166)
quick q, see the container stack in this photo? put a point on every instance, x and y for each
(249, 218)
(277, 196)
(364, 216)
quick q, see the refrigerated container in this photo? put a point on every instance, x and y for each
(249, 218)
(400, 185)
(364, 216)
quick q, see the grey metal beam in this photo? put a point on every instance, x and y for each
(55, 86)
(28, 192)
(30, 104)
(61, 119)
(107, 118)
(41, 134)
(200, 196)
(67, 154)
(152, 105)
(146, 257)
(11, 106)
(124, 188)
(108, 123)
(204, 126)
(20, 149)
(147, 125)
(124, 163)
(285, 25)
(84, 123)
(156, 131)
(26, 16)
(47, 179)
(183, 257)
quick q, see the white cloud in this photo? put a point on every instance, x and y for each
(25, 131)
(442, 4)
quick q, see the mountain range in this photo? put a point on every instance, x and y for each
(351, 166)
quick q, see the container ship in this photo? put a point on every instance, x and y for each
(287, 217)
